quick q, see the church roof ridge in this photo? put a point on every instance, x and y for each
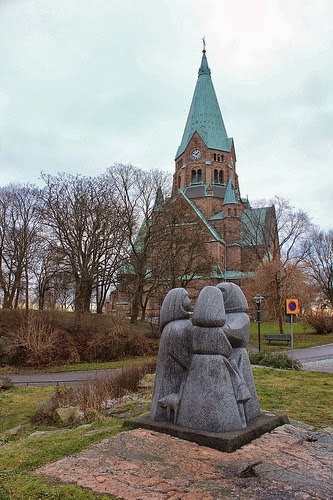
(211, 229)
(205, 116)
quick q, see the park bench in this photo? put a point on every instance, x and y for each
(278, 337)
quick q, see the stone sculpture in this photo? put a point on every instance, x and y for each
(204, 389)
(203, 377)
(213, 388)
(174, 355)
(237, 330)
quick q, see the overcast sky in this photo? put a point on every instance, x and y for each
(86, 84)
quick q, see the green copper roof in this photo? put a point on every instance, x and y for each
(253, 226)
(210, 228)
(205, 115)
(230, 194)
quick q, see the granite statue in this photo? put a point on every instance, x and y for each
(203, 376)
(174, 355)
(237, 330)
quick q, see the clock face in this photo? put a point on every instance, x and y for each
(196, 154)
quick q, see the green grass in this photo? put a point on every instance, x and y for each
(304, 396)
(22, 453)
(78, 366)
(18, 404)
(301, 395)
(303, 336)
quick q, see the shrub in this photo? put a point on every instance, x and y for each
(37, 338)
(5, 383)
(274, 360)
(90, 397)
(320, 322)
(44, 413)
(51, 337)
(116, 338)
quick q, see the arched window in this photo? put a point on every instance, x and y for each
(214, 156)
(221, 176)
(179, 182)
(216, 178)
(218, 158)
(199, 175)
(194, 177)
(222, 158)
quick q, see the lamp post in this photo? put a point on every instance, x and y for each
(258, 299)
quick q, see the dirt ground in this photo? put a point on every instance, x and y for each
(291, 462)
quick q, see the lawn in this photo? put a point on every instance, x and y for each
(305, 396)
(22, 453)
(78, 366)
(303, 336)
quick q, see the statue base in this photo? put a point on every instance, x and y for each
(227, 441)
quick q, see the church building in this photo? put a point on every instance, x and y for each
(206, 186)
(206, 177)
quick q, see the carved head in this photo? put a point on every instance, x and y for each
(234, 298)
(209, 308)
(175, 306)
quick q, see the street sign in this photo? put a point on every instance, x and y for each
(292, 306)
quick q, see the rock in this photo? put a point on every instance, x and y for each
(14, 431)
(42, 433)
(69, 414)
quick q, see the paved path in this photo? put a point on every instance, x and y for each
(313, 358)
(318, 359)
(65, 378)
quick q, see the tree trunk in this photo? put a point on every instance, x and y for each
(83, 296)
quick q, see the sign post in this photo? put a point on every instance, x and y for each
(292, 308)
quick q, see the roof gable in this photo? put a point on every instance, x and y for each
(201, 216)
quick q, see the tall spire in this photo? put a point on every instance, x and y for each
(230, 194)
(205, 115)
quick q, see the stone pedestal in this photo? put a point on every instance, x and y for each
(226, 441)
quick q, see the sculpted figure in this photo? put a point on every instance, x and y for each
(212, 388)
(237, 331)
(174, 355)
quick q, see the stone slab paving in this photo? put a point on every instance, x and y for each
(291, 462)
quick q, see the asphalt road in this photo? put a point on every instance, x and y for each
(313, 358)
(318, 359)
(65, 378)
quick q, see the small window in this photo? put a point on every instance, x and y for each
(216, 179)
(229, 211)
(214, 156)
(221, 176)
(222, 158)
(179, 182)
(193, 177)
(235, 211)
(199, 175)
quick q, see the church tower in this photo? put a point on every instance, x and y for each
(206, 208)
(205, 166)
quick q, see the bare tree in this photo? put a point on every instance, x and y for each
(19, 234)
(83, 218)
(319, 263)
(183, 251)
(277, 238)
(136, 192)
